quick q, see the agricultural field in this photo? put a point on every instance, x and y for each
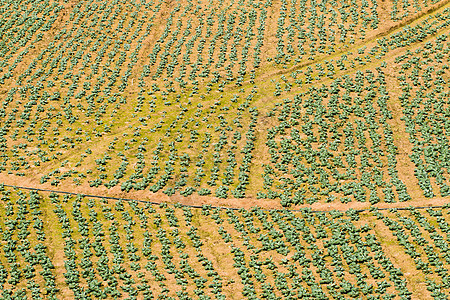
(293, 102)
(70, 246)
(224, 149)
(74, 247)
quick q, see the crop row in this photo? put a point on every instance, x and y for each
(126, 249)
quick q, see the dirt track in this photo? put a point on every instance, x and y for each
(196, 200)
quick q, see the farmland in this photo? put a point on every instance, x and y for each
(260, 149)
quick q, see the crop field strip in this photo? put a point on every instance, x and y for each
(172, 168)
(303, 115)
(291, 149)
(309, 208)
(137, 249)
(140, 250)
(119, 172)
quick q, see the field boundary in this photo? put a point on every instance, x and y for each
(223, 207)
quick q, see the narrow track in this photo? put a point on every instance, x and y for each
(447, 203)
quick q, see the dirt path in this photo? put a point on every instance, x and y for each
(196, 200)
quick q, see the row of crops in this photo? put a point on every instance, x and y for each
(297, 101)
(105, 44)
(82, 105)
(335, 142)
(423, 77)
(82, 248)
(60, 246)
(82, 52)
(424, 238)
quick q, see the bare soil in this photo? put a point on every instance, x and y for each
(196, 200)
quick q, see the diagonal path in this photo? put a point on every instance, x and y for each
(437, 202)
